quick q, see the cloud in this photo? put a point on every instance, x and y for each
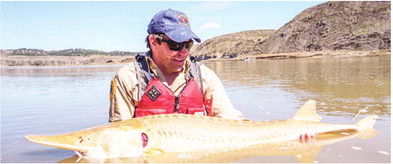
(210, 25)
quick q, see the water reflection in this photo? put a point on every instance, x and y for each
(341, 84)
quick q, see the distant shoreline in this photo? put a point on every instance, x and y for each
(39, 61)
(311, 54)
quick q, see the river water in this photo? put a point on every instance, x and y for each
(54, 100)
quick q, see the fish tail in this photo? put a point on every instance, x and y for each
(366, 127)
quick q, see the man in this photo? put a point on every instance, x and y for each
(166, 79)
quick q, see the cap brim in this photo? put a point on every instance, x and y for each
(182, 35)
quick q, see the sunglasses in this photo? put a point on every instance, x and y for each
(174, 46)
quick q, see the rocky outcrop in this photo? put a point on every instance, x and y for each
(337, 25)
(346, 25)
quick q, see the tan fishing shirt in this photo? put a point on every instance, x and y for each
(124, 91)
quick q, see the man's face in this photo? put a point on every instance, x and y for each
(169, 61)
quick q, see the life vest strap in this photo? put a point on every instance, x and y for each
(195, 72)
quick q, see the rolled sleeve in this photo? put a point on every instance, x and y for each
(122, 101)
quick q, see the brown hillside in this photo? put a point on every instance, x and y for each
(230, 45)
(361, 25)
(345, 25)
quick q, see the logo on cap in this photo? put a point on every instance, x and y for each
(183, 20)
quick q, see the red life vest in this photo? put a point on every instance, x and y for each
(159, 99)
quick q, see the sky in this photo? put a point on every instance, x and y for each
(122, 25)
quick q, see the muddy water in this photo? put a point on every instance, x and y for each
(52, 100)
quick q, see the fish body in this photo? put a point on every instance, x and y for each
(189, 133)
(303, 152)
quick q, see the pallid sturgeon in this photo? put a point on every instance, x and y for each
(303, 152)
(186, 133)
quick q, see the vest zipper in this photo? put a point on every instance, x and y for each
(177, 98)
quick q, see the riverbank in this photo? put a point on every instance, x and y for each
(310, 54)
(109, 60)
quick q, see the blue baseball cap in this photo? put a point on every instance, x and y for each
(174, 24)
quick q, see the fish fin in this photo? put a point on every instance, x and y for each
(366, 127)
(307, 112)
